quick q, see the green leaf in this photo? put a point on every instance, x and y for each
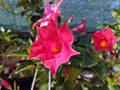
(23, 3)
(40, 1)
(34, 18)
(19, 53)
(1, 68)
(85, 41)
(24, 12)
(34, 2)
(100, 70)
(28, 18)
(90, 61)
(102, 25)
(28, 44)
(103, 66)
(117, 11)
(116, 16)
(25, 66)
(43, 86)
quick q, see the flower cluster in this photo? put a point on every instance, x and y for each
(53, 45)
(77, 57)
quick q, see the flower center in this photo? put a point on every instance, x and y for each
(56, 48)
(103, 43)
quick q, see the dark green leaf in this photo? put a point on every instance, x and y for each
(103, 66)
(85, 41)
(19, 53)
(23, 3)
(34, 18)
(24, 66)
(90, 61)
(24, 12)
(100, 70)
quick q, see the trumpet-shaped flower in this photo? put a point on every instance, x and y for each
(54, 46)
(104, 40)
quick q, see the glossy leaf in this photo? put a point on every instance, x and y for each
(25, 66)
(100, 70)
(18, 53)
(89, 62)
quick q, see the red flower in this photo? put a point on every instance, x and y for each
(54, 46)
(6, 84)
(104, 40)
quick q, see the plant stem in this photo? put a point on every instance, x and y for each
(33, 83)
(49, 80)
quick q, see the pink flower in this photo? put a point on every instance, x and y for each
(54, 46)
(104, 40)
(82, 26)
(52, 8)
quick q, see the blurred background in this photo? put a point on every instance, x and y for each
(94, 11)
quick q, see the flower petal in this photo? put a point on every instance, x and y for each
(66, 34)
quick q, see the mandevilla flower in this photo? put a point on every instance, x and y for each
(104, 40)
(53, 47)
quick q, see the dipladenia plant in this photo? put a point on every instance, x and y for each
(77, 58)
(54, 46)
